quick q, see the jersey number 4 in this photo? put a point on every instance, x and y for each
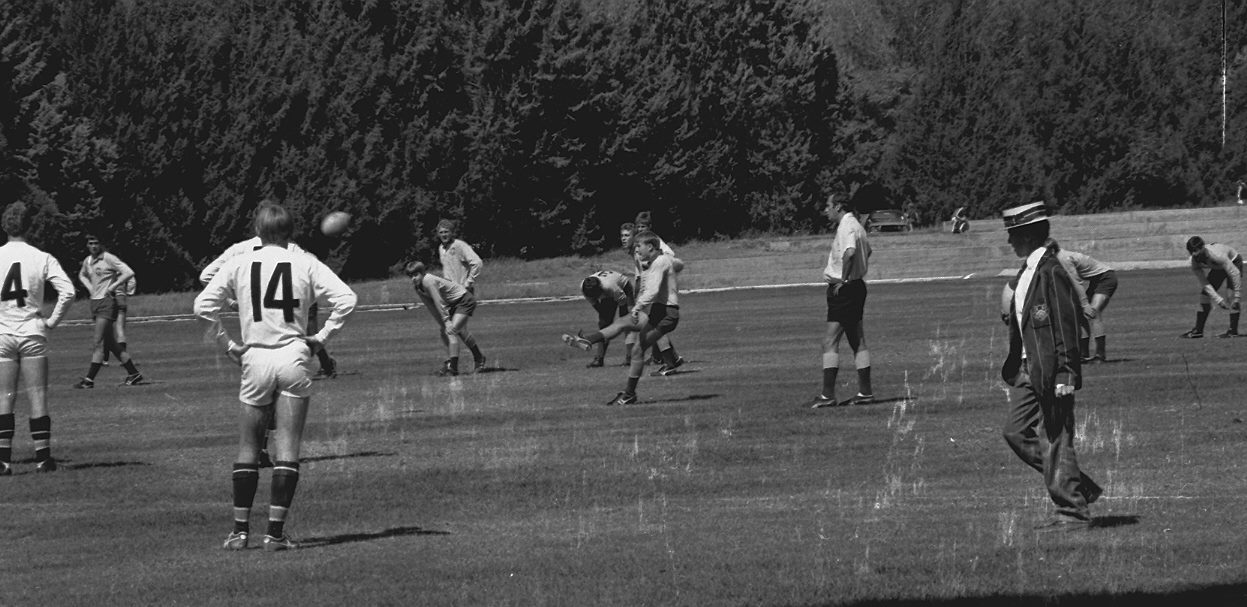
(12, 289)
(281, 281)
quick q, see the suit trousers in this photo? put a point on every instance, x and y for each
(1029, 411)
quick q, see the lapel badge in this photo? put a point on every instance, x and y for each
(1040, 312)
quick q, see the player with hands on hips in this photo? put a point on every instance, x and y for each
(274, 287)
(23, 334)
(1215, 264)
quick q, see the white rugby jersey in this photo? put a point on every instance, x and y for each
(234, 250)
(25, 269)
(98, 273)
(849, 235)
(274, 287)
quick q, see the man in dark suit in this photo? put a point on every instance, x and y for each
(1044, 368)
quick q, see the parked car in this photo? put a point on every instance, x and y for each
(888, 220)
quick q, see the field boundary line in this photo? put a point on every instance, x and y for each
(392, 307)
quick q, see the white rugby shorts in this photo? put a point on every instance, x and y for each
(268, 372)
(14, 348)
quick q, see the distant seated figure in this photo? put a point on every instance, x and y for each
(961, 223)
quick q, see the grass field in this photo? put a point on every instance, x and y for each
(517, 487)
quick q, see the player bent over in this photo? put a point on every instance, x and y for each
(655, 313)
(23, 335)
(1096, 283)
(607, 291)
(274, 287)
(456, 304)
(1214, 264)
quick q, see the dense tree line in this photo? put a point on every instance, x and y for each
(544, 123)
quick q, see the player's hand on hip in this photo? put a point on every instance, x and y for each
(235, 351)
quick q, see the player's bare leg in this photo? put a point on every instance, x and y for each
(103, 338)
(457, 324)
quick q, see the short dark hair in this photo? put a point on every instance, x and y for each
(449, 224)
(273, 222)
(16, 219)
(415, 267)
(647, 237)
(591, 287)
(1194, 244)
(629, 226)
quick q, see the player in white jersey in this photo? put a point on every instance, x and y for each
(274, 288)
(103, 274)
(655, 312)
(845, 275)
(328, 366)
(23, 334)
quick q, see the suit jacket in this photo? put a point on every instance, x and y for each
(1050, 324)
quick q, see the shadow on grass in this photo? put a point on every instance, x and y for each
(65, 464)
(1220, 594)
(1106, 522)
(325, 458)
(682, 399)
(346, 538)
(492, 370)
(877, 401)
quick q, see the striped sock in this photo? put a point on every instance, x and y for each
(41, 434)
(285, 480)
(246, 480)
(7, 423)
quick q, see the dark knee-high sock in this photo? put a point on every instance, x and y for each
(246, 480)
(1201, 317)
(322, 356)
(41, 435)
(1084, 346)
(1234, 321)
(829, 381)
(668, 357)
(7, 424)
(285, 480)
(631, 386)
(863, 381)
(129, 366)
(93, 370)
(1100, 345)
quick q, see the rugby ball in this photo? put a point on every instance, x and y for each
(335, 223)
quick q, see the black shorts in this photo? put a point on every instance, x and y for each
(1217, 277)
(466, 305)
(849, 304)
(1102, 284)
(663, 318)
(607, 310)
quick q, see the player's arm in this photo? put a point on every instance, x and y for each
(124, 272)
(431, 290)
(64, 292)
(84, 275)
(1201, 275)
(341, 299)
(1071, 262)
(473, 261)
(1236, 281)
(208, 306)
